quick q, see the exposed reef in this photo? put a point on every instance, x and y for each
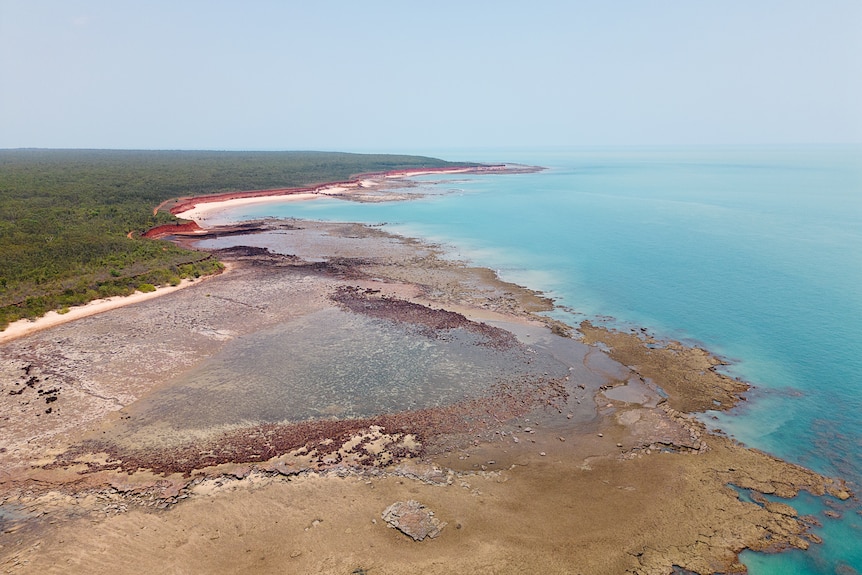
(585, 455)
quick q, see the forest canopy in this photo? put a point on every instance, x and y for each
(65, 215)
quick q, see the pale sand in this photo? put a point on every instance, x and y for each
(208, 209)
(24, 327)
(429, 172)
(205, 210)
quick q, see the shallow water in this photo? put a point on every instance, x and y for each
(327, 364)
(754, 252)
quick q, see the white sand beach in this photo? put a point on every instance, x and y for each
(205, 210)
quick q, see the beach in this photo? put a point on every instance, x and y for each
(51, 319)
(365, 187)
(120, 451)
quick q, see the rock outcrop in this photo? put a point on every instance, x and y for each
(413, 519)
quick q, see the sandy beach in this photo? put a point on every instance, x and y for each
(130, 442)
(365, 187)
(199, 207)
(202, 211)
(51, 319)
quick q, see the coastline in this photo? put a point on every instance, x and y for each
(200, 208)
(25, 327)
(203, 210)
(197, 208)
(648, 477)
(595, 442)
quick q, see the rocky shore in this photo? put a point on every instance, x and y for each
(583, 456)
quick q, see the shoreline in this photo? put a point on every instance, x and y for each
(201, 210)
(199, 207)
(25, 327)
(648, 477)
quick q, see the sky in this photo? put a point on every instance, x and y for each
(397, 76)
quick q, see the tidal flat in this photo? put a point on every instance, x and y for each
(265, 418)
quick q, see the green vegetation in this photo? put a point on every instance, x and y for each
(66, 215)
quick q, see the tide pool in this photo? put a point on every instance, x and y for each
(754, 253)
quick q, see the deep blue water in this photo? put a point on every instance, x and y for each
(755, 253)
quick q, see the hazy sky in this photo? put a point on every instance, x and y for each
(370, 75)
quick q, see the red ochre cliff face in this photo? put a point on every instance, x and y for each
(171, 229)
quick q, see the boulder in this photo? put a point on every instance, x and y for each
(413, 519)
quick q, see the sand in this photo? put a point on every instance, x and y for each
(51, 319)
(585, 470)
(368, 188)
(206, 210)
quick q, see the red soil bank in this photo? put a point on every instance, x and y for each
(171, 229)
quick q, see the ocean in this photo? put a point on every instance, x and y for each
(752, 252)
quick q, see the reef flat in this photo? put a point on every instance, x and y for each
(372, 369)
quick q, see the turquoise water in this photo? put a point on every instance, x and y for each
(755, 253)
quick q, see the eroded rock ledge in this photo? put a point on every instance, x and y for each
(687, 374)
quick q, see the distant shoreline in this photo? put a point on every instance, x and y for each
(195, 208)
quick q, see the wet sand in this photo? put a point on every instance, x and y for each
(583, 458)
